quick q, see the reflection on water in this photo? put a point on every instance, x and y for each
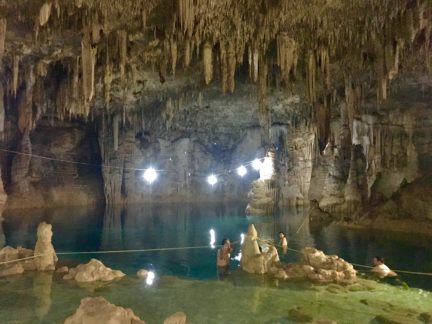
(240, 298)
(185, 225)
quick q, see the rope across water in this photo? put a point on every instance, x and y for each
(186, 248)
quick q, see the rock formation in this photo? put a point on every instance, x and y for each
(95, 310)
(46, 257)
(253, 260)
(93, 271)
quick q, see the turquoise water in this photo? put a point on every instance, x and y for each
(161, 226)
(186, 280)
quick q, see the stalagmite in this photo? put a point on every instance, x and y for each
(15, 72)
(311, 75)
(3, 28)
(88, 56)
(44, 13)
(286, 54)
(208, 62)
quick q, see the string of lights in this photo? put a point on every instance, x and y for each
(150, 174)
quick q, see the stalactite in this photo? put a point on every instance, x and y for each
(116, 122)
(350, 101)
(264, 111)
(122, 49)
(2, 112)
(325, 66)
(107, 82)
(208, 62)
(253, 56)
(187, 55)
(286, 55)
(379, 67)
(88, 56)
(231, 63)
(44, 13)
(74, 88)
(25, 104)
(3, 28)
(311, 76)
(173, 51)
(223, 67)
(391, 55)
(186, 13)
(15, 73)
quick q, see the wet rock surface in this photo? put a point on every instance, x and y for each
(93, 271)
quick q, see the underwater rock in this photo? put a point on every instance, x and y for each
(385, 319)
(142, 273)
(92, 271)
(299, 315)
(176, 318)
(62, 270)
(425, 317)
(95, 310)
(253, 260)
(48, 258)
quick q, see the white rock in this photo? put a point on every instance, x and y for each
(48, 258)
(92, 271)
(98, 310)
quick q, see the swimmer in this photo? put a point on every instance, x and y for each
(380, 269)
(283, 241)
(223, 258)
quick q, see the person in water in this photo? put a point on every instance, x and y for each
(380, 269)
(223, 258)
(283, 242)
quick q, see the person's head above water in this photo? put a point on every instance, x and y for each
(281, 234)
(226, 241)
(377, 260)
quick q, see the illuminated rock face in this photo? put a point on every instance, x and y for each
(345, 104)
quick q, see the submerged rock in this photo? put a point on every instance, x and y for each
(47, 257)
(176, 318)
(96, 310)
(299, 315)
(92, 271)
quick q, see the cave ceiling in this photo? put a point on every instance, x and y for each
(84, 56)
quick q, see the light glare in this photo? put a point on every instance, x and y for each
(212, 179)
(256, 164)
(242, 236)
(212, 238)
(150, 175)
(150, 278)
(241, 171)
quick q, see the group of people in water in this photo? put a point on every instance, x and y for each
(224, 256)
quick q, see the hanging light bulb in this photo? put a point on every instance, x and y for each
(241, 171)
(256, 164)
(150, 175)
(212, 179)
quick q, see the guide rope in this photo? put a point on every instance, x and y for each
(189, 248)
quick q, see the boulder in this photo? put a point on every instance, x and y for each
(176, 318)
(44, 249)
(62, 270)
(8, 254)
(142, 273)
(96, 310)
(12, 269)
(93, 271)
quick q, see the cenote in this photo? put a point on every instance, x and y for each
(154, 152)
(187, 279)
